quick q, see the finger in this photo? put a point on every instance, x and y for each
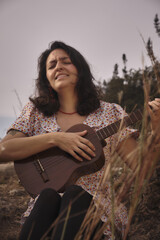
(157, 103)
(88, 143)
(73, 153)
(83, 133)
(157, 99)
(150, 111)
(82, 153)
(87, 149)
(154, 105)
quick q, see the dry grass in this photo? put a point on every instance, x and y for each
(13, 202)
(138, 190)
(129, 189)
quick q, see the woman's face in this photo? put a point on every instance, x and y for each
(60, 71)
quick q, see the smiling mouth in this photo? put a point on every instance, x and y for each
(61, 76)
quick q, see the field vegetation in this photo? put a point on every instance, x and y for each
(138, 190)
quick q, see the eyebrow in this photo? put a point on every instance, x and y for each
(61, 59)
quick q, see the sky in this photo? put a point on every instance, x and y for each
(102, 30)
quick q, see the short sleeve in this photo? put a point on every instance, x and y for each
(25, 122)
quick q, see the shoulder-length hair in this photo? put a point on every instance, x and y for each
(47, 99)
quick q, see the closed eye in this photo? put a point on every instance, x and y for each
(52, 66)
(67, 63)
(63, 62)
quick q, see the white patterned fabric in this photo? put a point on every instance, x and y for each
(32, 122)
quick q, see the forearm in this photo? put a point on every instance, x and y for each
(131, 152)
(22, 147)
(128, 151)
(153, 145)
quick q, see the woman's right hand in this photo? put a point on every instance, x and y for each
(16, 146)
(75, 144)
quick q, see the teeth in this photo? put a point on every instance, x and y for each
(61, 75)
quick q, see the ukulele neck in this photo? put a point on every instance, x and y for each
(113, 128)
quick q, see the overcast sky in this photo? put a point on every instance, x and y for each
(102, 30)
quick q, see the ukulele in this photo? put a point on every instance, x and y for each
(55, 168)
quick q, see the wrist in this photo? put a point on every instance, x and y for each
(53, 140)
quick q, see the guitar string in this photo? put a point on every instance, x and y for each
(59, 160)
(32, 177)
(46, 163)
(49, 162)
(52, 161)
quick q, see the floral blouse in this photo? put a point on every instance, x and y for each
(32, 122)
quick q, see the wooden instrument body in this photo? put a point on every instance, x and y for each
(57, 169)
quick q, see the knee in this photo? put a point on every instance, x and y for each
(74, 188)
(77, 195)
(73, 192)
(49, 195)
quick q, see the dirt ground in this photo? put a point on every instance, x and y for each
(14, 199)
(13, 202)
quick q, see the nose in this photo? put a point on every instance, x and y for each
(59, 65)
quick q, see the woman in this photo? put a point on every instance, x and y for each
(66, 96)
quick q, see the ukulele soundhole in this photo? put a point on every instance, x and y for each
(41, 170)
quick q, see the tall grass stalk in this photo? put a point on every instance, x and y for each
(65, 223)
(126, 186)
(129, 185)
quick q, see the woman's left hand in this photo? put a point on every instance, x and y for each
(154, 112)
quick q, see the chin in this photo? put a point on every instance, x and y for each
(64, 85)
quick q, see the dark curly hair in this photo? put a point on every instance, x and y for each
(47, 100)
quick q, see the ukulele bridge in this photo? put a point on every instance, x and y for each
(41, 170)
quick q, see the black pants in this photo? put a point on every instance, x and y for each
(49, 206)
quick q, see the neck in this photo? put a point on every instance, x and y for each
(68, 103)
(67, 113)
